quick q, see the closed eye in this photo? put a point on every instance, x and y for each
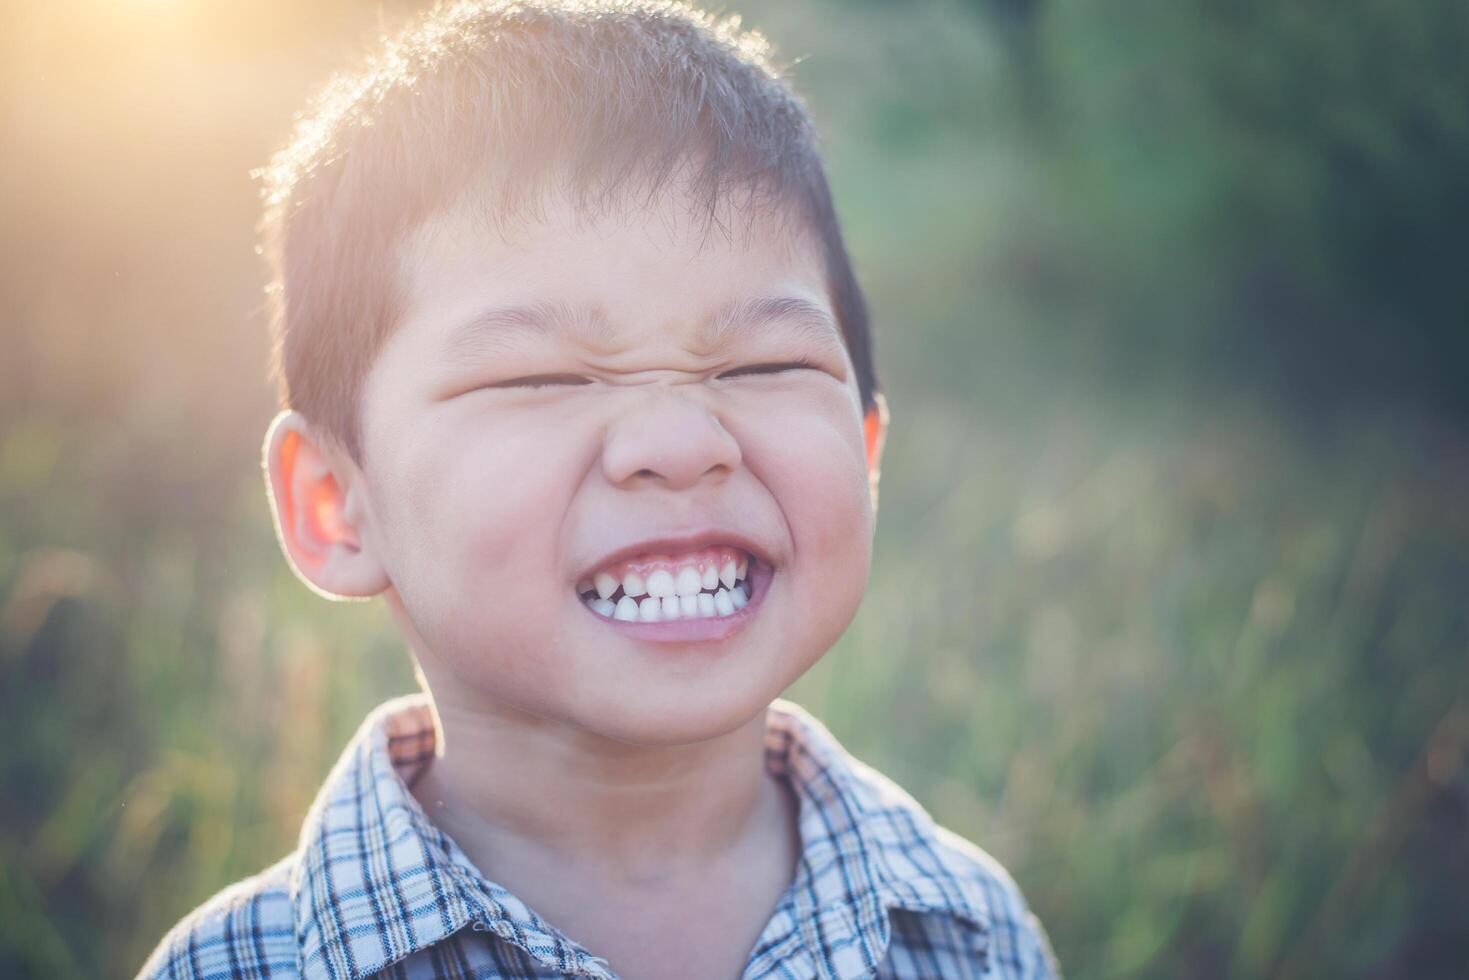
(541, 381)
(769, 368)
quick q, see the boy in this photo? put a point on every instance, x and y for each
(580, 381)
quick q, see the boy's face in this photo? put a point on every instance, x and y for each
(583, 401)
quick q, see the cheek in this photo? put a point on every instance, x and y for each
(816, 465)
(469, 489)
(477, 514)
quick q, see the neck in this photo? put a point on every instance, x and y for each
(523, 795)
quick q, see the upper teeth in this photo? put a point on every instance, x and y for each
(632, 584)
(688, 583)
(658, 587)
(606, 585)
(660, 584)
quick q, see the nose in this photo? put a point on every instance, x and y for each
(670, 439)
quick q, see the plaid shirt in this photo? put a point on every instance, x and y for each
(374, 889)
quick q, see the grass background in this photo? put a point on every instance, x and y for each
(1169, 606)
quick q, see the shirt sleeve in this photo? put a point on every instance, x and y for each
(246, 930)
(1037, 959)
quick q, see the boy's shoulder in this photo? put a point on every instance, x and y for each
(304, 915)
(877, 841)
(245, 930)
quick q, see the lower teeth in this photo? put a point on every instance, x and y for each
(650, 609)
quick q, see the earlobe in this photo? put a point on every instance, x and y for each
(308, 490)
(874, 432)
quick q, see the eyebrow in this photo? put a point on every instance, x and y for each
(506, 330)
(807, 320)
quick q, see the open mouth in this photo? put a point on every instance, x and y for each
(710, 583)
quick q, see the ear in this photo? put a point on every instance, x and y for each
(314, 497)
(874, 433)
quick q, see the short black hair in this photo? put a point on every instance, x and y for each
(600, 97)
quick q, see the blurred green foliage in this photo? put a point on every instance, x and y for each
(1169, 607)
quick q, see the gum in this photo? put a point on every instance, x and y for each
(645, 565)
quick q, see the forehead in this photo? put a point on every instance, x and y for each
(668, 264)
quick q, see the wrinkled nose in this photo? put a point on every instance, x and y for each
(669, 439)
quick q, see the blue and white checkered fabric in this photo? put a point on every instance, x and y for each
(376, 890)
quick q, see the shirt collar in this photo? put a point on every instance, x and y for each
(867, 845)
(377, 881)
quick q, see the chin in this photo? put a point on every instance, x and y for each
(682, 718)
